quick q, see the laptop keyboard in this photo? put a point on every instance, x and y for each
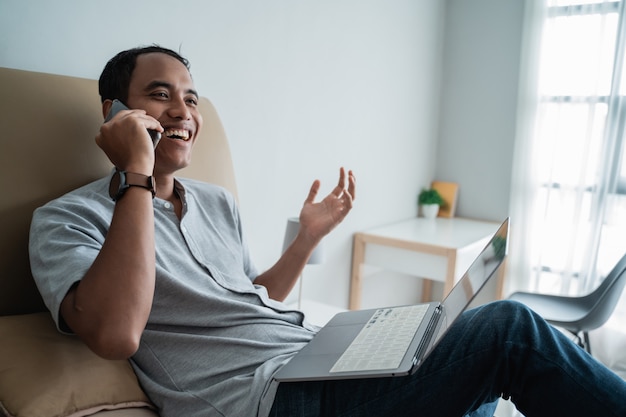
(383, 341)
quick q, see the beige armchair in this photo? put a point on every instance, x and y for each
(47, 148)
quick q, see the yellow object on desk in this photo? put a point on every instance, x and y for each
(449, 192)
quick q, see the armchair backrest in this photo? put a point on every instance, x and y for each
(48, 124)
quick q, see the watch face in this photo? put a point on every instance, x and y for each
(114, 185)
(117, 186)
(122, 180)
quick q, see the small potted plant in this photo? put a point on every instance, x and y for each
(430, 200)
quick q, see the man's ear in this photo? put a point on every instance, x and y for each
(106, 107)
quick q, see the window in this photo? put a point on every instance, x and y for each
(578, 152)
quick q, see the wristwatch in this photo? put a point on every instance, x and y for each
(122, 181)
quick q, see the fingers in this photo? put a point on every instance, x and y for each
(340, 192)
(339, 188)
(348, 193)
(126, 142)
(344, 197)
(150, 122)
(128, 118)
(318, 219)
(315, 187)
(351, 185)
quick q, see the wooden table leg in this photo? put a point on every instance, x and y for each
(427, 290)
(450, 271)
(356, 276)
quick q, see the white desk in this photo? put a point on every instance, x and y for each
(439, 249)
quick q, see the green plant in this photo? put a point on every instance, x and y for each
(499, 247)
(430, 196)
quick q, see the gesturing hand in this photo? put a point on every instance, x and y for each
(318, 219)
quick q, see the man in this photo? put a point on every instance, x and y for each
(162, 275)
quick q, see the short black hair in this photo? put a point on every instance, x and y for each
(115, 78)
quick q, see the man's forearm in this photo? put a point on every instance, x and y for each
(280, 279)
(110, 306)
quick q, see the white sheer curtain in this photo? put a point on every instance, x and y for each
(568, 211)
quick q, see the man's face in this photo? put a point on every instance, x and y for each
(162, 86)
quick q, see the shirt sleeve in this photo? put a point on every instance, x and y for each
(65, 238)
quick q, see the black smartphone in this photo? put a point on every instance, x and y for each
(117, 106)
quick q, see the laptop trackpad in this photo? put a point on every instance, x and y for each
(332, 340)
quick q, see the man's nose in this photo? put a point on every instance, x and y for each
(179, 109)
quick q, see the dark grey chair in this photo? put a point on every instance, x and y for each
(579, 315)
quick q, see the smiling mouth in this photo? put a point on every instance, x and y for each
(180, 134)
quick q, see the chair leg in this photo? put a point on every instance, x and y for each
(587, 344)
(582, 340)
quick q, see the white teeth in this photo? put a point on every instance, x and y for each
(177, 134)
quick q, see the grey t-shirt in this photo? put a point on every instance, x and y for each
(213, 339)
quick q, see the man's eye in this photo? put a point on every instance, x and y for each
(159, 94)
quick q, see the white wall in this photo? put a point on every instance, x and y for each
(302, 87)
(479, 103)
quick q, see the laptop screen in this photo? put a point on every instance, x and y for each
(475, 278)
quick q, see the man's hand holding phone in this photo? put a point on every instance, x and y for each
(117, 106)
(123, 138)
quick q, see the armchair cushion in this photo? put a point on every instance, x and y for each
(47, 374)
(47, 149)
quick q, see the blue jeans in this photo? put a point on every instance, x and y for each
(501, 349)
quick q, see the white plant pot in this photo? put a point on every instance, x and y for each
(430, 211)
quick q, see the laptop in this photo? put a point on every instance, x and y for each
(392, 341)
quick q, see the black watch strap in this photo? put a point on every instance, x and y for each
(122, 181)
